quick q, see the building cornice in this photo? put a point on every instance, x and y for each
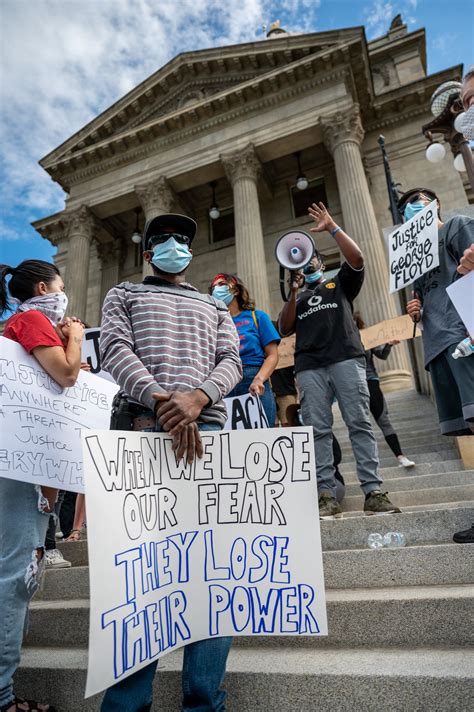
(141, 148)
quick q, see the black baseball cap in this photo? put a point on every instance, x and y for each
(410, 194)
(169, 222)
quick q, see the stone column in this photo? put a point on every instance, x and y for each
(243, 169)
(81, 226)
(109, 254)
(343, 135)
(156, 199)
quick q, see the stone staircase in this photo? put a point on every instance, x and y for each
(400, 620)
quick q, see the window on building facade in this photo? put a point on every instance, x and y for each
(223, 228)
(301, 199)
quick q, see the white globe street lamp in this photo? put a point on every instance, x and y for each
(435, 152)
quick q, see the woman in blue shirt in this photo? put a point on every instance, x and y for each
(258, 341)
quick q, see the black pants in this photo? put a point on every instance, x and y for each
(378, 408)
(50, 541)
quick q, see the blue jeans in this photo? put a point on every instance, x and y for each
(268, 399)
(203, 672)
(23, 526)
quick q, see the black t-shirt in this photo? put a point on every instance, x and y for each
(325, 329)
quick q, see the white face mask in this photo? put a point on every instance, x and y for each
(52, 305)
(467, 124)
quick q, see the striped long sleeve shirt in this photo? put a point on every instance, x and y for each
(162, 337)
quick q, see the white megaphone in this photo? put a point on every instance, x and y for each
(293, 251)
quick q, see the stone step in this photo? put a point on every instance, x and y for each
(408, 566)
(423, 524)
(394, 471)
(402, 616)
(390, 461)
(402, 427)
(284, 680)
(418, 453)
(414, 481)
(416, 496)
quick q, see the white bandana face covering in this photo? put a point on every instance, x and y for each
(53, 306)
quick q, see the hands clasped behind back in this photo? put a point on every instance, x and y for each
(177, 413)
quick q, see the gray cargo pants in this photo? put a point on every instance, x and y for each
(347, 382)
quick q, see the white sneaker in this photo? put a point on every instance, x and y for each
(59, 535)
(405, 462)
(55, 560)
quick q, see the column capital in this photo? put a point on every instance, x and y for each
(53, 232)
(110, 252)
(342, 126)
(241, 164)
(156, 197)
(81, 221)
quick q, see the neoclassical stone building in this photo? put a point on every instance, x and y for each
(238, 119)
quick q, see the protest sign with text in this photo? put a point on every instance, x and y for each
(245, 412)
(286, 352)
(399, 328)
(194, 551)
(461, 293)
(90, 353)
(41, 422)
(413, 248)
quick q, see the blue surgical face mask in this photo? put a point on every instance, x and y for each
(313, 277)
(171, 256)
(411, 209)
(223, 293)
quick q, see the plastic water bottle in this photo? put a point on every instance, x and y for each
(464, 348)
(394, 540)
(375, 541)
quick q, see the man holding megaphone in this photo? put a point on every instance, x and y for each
(330, 362)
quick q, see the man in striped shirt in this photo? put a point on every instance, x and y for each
(175, 355)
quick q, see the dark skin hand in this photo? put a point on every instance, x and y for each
(177, 412)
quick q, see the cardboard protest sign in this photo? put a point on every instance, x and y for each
(90, 353)
(41, 423)
(398, 329)
(245, 412)
(413, 248)
(189, 552)
(461, 293)
(286, 352)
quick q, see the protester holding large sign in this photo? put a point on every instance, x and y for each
(330, 363)
(175, 355)
(443, 329)
(38, 289)
(188, 552)
(258, 341)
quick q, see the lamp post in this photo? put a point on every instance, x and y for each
(446, 107)
(393, 199)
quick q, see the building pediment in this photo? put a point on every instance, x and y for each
(191, 81)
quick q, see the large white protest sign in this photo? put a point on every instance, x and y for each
(245, 412)
(461, 293)
(41, 422)
(189, 552)
(413, 248)
(91, 355)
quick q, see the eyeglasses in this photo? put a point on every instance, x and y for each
(413, 198)
(159, 239)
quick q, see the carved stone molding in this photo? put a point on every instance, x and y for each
(155, 197)
(241, 164)
(342, 126)
(109, 252)
(54, 232)
(81, 222)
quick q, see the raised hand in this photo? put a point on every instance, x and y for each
(321, 217)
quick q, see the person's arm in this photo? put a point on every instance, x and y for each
(63, 364)
(266, 369)
(466, 263)
(287, 317)
(184, 407)
(117, 353)
(382, 352)
(346, 244)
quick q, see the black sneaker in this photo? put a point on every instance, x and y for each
(328, 507)
(377, 502)
(465, 537)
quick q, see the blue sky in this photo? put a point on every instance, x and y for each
(65, 61)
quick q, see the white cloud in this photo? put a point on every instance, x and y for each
(65, 61)
(378, 17)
